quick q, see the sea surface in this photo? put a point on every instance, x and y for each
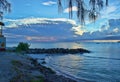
(101, 65)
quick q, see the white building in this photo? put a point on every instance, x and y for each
(2, 38)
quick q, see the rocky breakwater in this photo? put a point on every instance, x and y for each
(57, 51)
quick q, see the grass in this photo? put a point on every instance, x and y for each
(40, 79)
(16, 78)
(21, 76)
(16, 63)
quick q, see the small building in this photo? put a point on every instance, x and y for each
(2, 38)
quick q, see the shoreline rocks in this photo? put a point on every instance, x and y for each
(57, 51)
(49, 74)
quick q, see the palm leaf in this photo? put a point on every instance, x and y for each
(70, 8)
(106, 2)
(60, 6)
(93, 11)
(4, 7)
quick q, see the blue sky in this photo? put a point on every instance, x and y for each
(44, 14)
(32, 8)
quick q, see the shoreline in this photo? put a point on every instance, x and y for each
(55, 72)
(23, 68)
(49, 74)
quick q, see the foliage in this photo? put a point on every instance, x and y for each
(85, 9)
(2, 24)
(22, 47)
(4, 7)
(39, 79)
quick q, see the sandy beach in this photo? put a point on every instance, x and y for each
(16, 67)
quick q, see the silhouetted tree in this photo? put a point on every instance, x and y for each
(22, 47)
(4, 7)
(83, 11)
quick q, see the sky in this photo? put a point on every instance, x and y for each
(39, 20)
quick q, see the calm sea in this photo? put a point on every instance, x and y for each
(102, 65)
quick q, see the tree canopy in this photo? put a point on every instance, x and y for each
(92, 11)
(4, 7)
(22, 47)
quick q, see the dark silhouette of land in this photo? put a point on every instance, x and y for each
(57, 51)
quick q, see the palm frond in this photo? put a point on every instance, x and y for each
(60, 6)
(100, 4)
(93, 11)
(93, 4)
(81, 11)
(70, 8)
(106, 2)
(93, 15)
(4, 7)
(2, 24)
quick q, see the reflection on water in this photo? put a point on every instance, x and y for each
(102, 65)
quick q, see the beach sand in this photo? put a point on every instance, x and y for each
(16, 67)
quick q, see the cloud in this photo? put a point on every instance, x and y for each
(40, 39)
(39, 29)
(49, 3)
(78, 30)
(116, 30)
(112, 28)
(54, 30)
(67, 10)
(15, 36)
(28, 21)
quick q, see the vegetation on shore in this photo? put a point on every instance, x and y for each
(22, 47)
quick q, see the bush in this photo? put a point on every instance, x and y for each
(22, 47)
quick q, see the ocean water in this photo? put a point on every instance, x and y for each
(101, 65)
